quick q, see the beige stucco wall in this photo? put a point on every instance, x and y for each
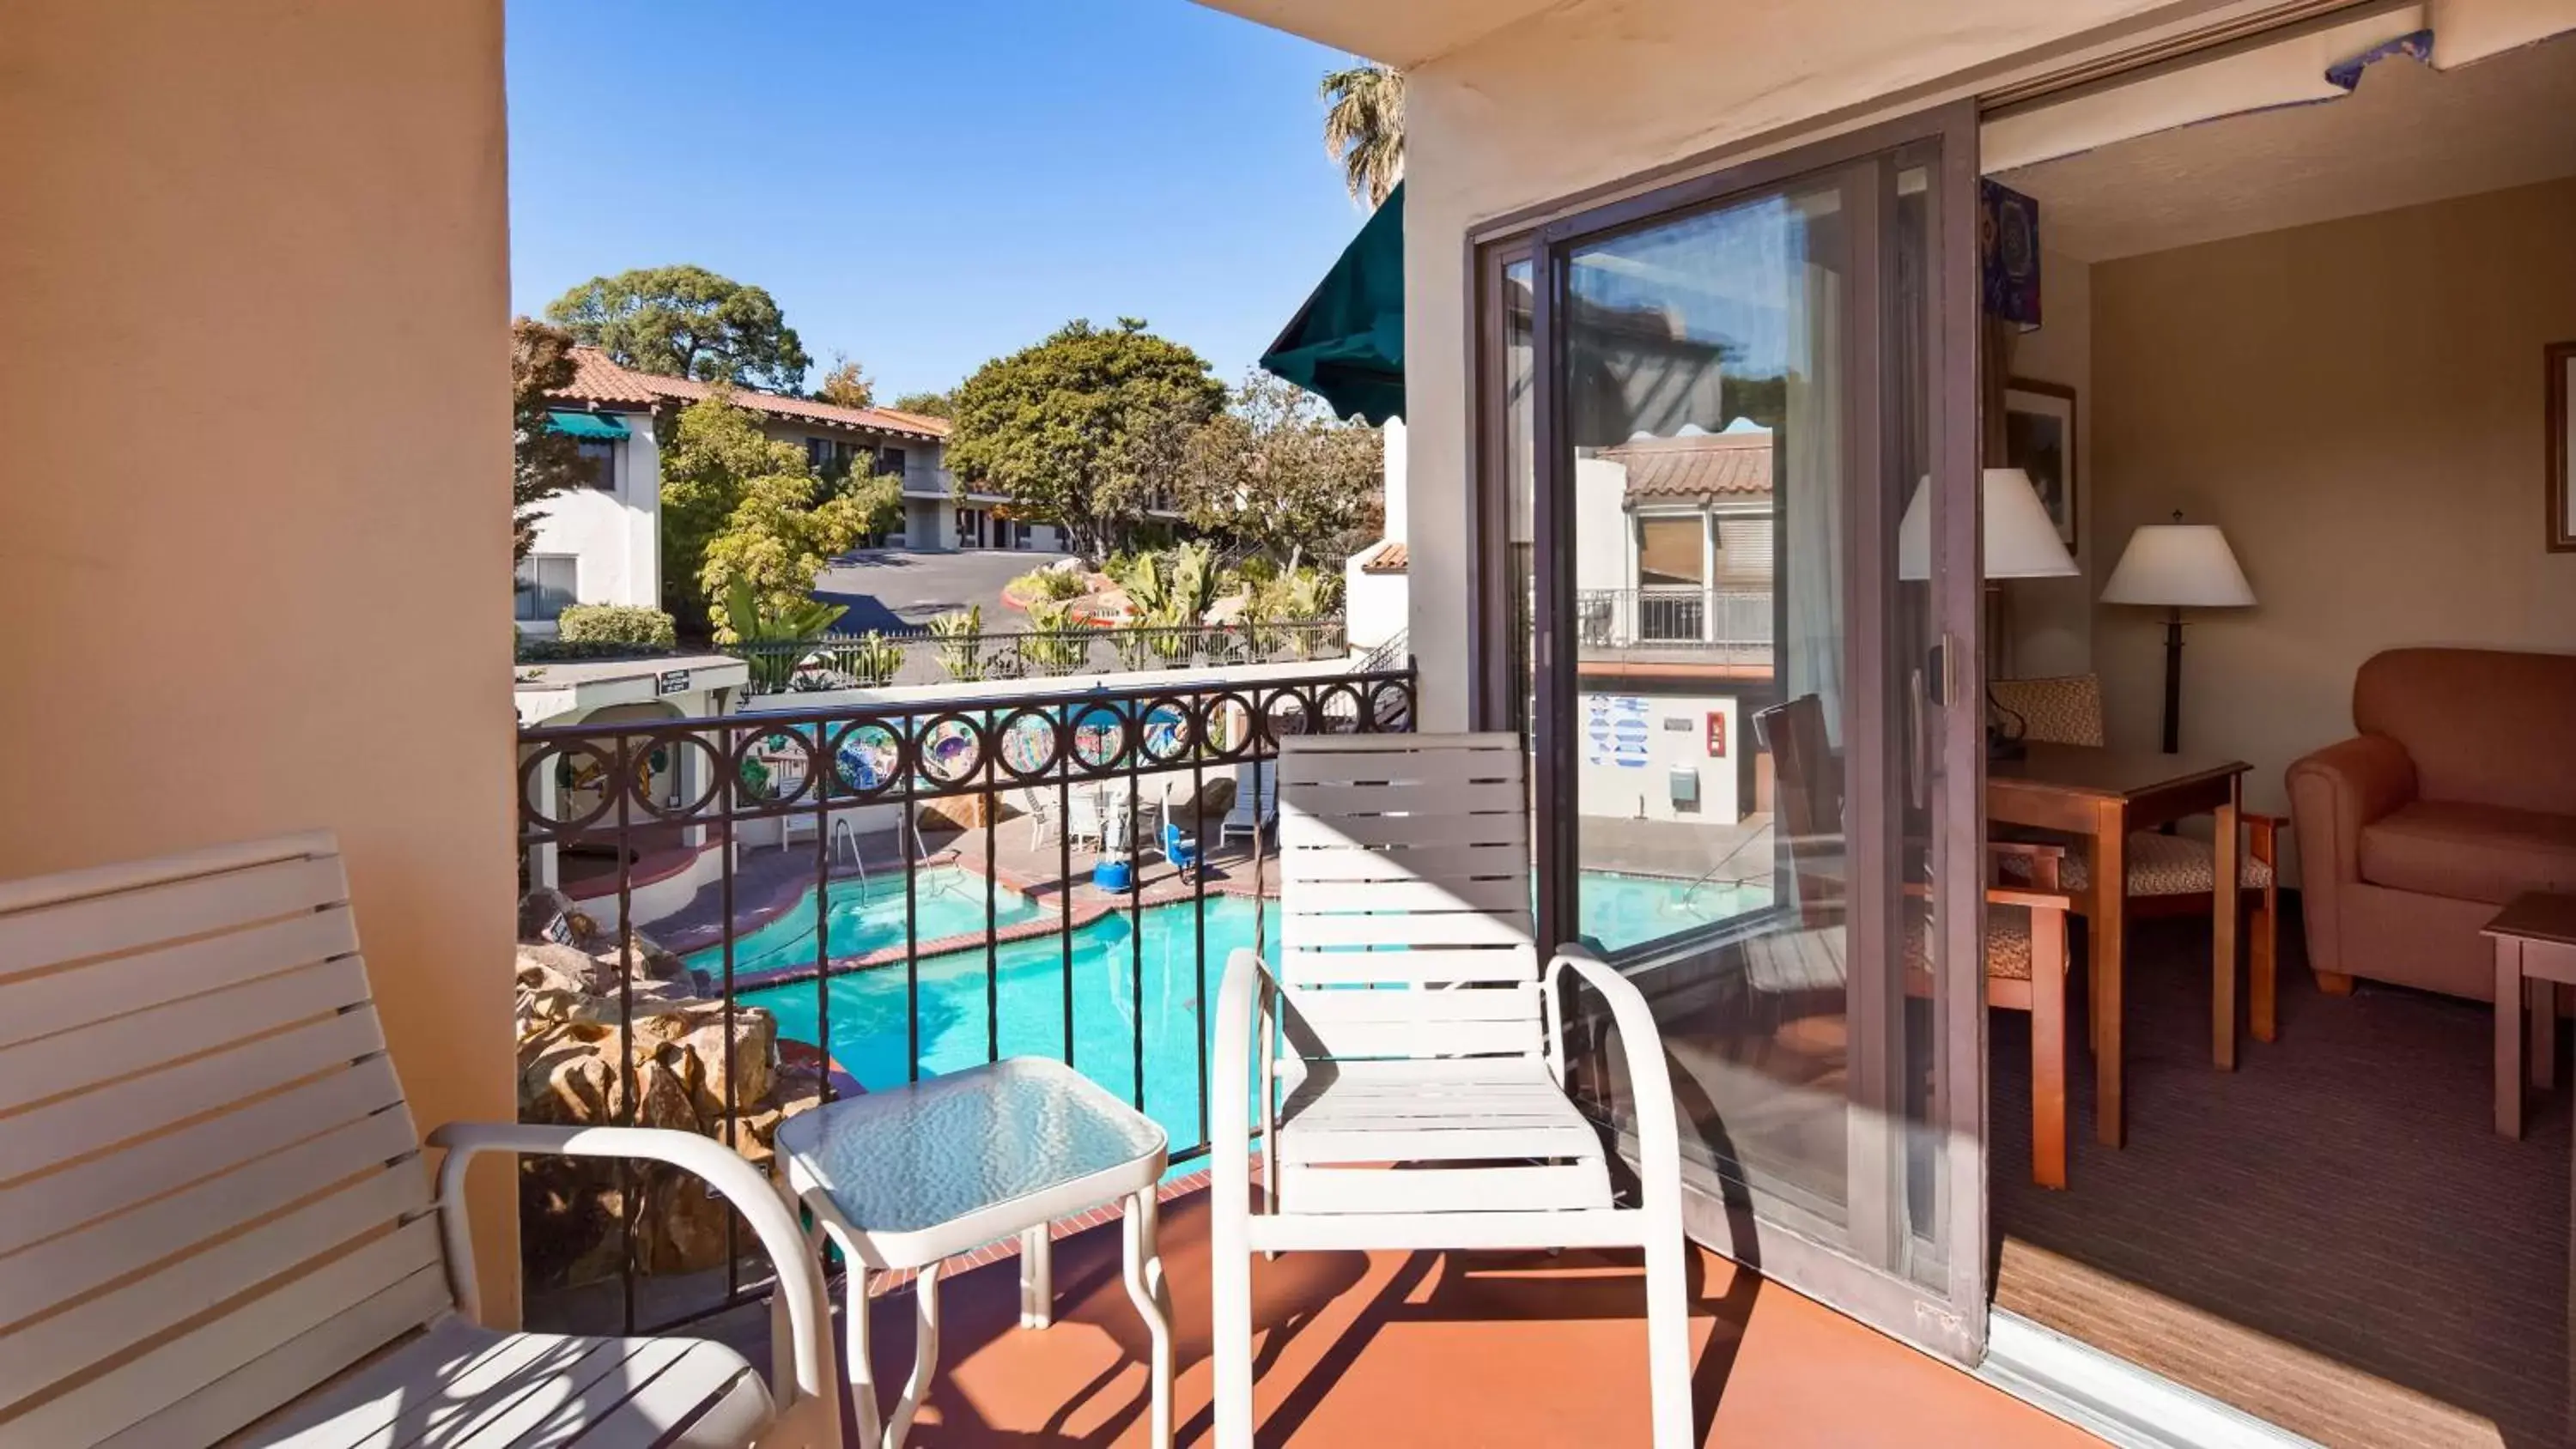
(2358, 404)
(1582, 95)
(254, 504)
(2051, 620)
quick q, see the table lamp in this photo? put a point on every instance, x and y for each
(2177, 566)
(2021, 542)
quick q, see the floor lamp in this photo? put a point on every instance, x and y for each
(2177, 566)
(2021, 542)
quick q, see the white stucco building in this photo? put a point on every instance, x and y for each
(602, 544)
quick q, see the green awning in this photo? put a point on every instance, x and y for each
(595, 427)
(1347, 343)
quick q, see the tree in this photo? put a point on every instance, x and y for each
(1276, 473)
(1364, 128)
(543, 461)
(928, 404)
(686, 322)
(846, 385)
(1062, 429)
(738, 506)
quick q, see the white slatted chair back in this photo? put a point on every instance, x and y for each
(211, 1193)
(1404, 863)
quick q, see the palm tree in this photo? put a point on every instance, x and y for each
(1364, 128)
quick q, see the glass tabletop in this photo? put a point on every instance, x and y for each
(914, 1157)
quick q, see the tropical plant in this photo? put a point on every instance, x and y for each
(1046, 585)
(768, 635)
(1295, 601)
(873, 660)
(1057, 643)
(685, 322)
(1364, 128)
(961, 642)
(1171, 594)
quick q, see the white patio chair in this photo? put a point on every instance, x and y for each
(217, 1203)
(1038, 805)
(1420, 1031)
(1256, 804)
(1087, 819)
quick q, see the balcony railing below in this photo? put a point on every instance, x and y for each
(917, 656)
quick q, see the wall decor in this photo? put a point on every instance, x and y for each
(2039, 439)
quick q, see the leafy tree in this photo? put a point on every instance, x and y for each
(737, 506)
(928, 404)
(543, 461)
(1062, 429)
(1276, 473)
(686, 322)
(1364, 128)
(846, 385)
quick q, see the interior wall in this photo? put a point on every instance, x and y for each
(254, 507)
(1587, 93)
(2359, 405)
(2050, 621)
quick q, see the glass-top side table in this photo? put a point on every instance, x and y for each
(913, 1175)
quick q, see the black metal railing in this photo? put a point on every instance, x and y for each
(913, 656)
(839, 877)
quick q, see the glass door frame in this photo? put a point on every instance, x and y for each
(1949, 1318)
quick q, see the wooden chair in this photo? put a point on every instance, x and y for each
(2025, 943)
(1421, 1031)
(2167, 875)
(217, 1205)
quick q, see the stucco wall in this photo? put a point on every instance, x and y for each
(616, 537)
(2051, 620)
(254, 529)
(1582, 95)
(2358, 404)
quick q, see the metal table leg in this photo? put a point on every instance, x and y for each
(1144, 1265)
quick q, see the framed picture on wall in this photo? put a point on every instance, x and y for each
(2039, 439)
(2561, 360)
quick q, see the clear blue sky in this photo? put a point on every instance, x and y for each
(928, 186)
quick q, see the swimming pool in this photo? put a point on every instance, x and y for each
(868, 915)
(1129, 978)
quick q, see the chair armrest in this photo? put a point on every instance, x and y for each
(1240, 996)
(800, 1281)
(2338, 790)
(1641, 1046)
(2036, 900)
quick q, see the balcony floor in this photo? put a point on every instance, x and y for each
(1424, 1348)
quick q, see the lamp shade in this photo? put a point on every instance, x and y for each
(2185, 565)
(2021, 540)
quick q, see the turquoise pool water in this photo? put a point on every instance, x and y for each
(1129, 978)
(868, 915)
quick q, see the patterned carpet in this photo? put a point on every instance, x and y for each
(2333, 1236)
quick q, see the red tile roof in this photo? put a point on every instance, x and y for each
(1390, 558)
(597, 379)
(1708, 465)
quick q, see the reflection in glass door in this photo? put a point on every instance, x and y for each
(1746, 780)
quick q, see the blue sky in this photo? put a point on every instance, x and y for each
(925, 187)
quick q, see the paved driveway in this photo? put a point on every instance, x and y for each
(890, 588)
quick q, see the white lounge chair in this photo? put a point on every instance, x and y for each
(1256, 801)
(1420, 1031)
(197, 1114)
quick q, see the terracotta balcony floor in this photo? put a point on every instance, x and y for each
(1428, 1348)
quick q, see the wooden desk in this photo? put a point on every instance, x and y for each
(2103, 795)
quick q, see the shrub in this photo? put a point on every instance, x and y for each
(1047, 586)
(961, 642)
(616, 624)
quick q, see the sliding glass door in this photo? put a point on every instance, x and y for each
(1757, 786)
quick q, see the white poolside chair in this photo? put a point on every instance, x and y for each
(1420, 1031)
(1256, 803)
(1035, 804)
(218, 1204)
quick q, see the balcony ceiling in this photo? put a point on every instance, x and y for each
(1402, 33)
